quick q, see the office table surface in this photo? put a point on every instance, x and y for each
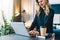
(17, 37)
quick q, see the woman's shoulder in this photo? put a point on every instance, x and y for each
(52, 10)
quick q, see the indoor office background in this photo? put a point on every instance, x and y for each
(12, 10)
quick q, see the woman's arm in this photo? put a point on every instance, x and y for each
(34, 23)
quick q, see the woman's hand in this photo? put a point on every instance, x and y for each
(34, 32)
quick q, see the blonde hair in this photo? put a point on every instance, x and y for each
(46, 10)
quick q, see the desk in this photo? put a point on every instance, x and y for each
(17, 37)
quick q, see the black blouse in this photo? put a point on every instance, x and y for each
(44, 21)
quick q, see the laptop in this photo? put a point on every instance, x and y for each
(19, 28)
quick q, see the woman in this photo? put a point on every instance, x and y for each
(43, 18)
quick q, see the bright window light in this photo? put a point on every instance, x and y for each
(7, 7)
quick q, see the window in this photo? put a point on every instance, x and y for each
(7, 7)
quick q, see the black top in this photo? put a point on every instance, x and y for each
(44, 21)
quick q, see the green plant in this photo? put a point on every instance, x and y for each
(5, 27)
(13, 17)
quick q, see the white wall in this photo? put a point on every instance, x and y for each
(54, 1)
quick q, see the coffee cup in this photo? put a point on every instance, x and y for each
(43, 31)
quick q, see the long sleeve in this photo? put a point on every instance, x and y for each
(34, 23)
